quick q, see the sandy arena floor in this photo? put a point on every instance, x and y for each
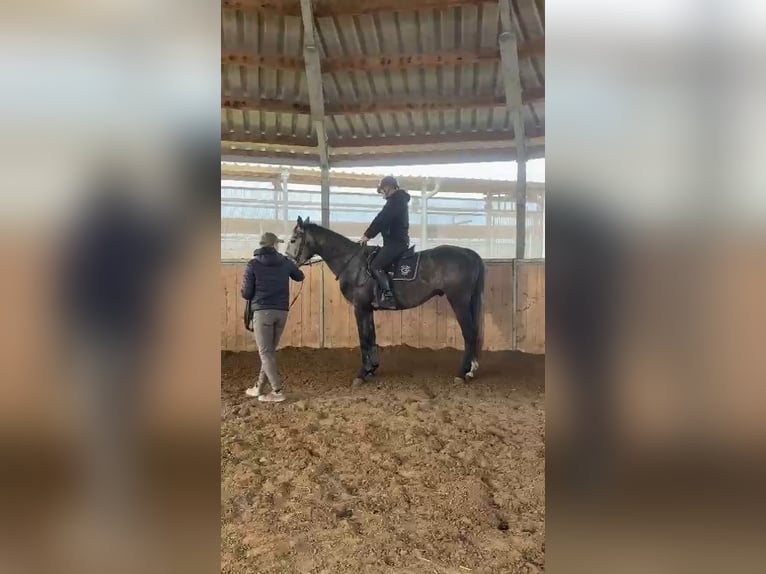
(411, 473)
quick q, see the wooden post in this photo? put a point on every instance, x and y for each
(542, 225)
(509, 57)
(490, 226)
(316, 102)
(277, 185)
(285, 177)
(326, 196)
(423, 220)
(321, 305)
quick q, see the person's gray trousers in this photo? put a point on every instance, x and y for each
(268, 326)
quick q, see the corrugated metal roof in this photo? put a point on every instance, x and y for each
(470, 28)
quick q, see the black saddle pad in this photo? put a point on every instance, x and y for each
(406, 269)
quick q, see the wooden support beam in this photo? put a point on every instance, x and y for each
(394, 147)
(365, 144)
(283, 7)
(382, 62)
(316, 102)
(258, 139)
(429, 105)
(249, 104)
(512, 82)
(360, 144)
(284, 179)
(405, 61)
(329, 8)
(270, 146)
(255, 60)
(372, 159)
(324, 163)
(268, 157)
(432, 157)
(325, 200)
(314, 81)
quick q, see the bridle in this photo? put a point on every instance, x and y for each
(316, 261)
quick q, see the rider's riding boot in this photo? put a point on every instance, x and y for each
(387, 295)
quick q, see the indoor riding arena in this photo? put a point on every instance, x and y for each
(410, 472)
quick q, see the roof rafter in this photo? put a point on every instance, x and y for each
(360, 145)
(380, 62)
(529, 95)
(328, 8)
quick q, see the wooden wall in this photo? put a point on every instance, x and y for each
(432, 325)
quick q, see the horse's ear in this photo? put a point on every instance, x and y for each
(308, 219)
(300, 221)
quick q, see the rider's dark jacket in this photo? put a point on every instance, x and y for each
(393, 221)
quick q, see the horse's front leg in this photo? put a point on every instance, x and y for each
(366, 327)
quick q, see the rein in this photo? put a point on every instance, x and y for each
(298, 294)
(300, 289)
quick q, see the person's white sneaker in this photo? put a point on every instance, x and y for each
(272, 397)
(252, 391)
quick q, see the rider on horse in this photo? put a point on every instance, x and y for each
(393, 223)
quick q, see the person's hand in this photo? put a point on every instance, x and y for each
(364, 239)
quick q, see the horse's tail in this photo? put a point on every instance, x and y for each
(477, 300)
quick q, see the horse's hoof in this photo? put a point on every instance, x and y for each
(470, 375)
(358, 381)
(459, 380)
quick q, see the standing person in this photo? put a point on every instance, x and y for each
(266, 283)
(393, 223)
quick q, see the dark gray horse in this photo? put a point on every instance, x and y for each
(454, 272)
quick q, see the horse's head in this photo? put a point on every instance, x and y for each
(301, 247)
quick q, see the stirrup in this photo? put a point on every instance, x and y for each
(387, 302)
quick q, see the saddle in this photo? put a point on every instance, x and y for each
(405, 268)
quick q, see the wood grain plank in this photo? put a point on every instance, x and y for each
(353, 330)
(440, 339)
(429, 326)
(531, 307)
(428, 335)
(492, 309)
(453, 333)
(306, 326)
(331, 294)
(315, 302)
(383, 328)
(223, 316)
(239, 306)
(396, 328)
(410, 327)
(506, 315)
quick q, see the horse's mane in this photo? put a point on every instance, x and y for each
(311, 226)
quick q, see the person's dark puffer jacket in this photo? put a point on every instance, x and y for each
(267, 280)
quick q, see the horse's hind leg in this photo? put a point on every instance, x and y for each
(470, 333)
